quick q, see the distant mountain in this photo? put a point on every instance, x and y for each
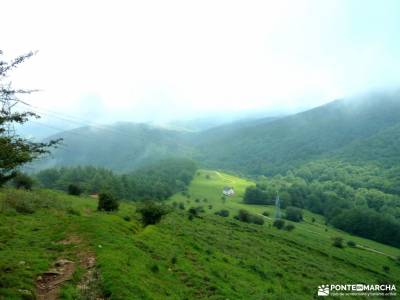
(340, 129)
(120, 147)
(356, 130)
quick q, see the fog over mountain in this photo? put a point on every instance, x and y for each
(159, 62)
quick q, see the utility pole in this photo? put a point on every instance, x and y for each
(277, 207)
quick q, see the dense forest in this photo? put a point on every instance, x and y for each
(353, 130)
(359, 200)
(158, 181)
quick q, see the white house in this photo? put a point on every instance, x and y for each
(228, 191)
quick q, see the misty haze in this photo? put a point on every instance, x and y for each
(200, 150)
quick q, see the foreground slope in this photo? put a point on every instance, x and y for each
(210, 257)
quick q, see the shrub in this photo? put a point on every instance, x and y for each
(257, 220)
(279, 223)
(174, 260)
(265, 213)
(107, 202)
(351, 243)
(294, 214)
(181, 206)
(247, 217)
(207, 176)
(312, 219)
(210, 206)
(194, 212)
(73, 211)
(289, 227)
(74, 190)
(337, 242)
(152, 212)
(155, 269)
(23, 181)
(223, 213)
(255, 195)
(127, 218)
(386, 269)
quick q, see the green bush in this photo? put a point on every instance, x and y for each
(23, 181)
(279, 223)
(351, 243)
(386, 269)
(245, 216)
(107, 202)
(265, 213)
(73, 211)
(294, 214)
(194, 212)
(289, 227)
(337, 242)
(257, 220)
(222, 213)
(74, 190)
(152, 212)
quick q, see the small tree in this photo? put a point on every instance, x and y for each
(294, 214)
(279, 223)
(337, 242)
(107, 202)
(23, 181)
(74, 190)
(15, 151)
(194, 212)
(152, 212)
(223, 213)
(351, 244)
(289, 227)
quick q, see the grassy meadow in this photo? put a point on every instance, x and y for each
(209, 257)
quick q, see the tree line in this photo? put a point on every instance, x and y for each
(350, 197)
(157, 181)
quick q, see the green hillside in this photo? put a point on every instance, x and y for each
(138, 144)
(357, 130)
(339, 128)
(209, 257)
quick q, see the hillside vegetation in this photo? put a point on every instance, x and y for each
(156, 181)
(357, 131)
(207, 257)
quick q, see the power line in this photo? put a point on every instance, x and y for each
(77, 121)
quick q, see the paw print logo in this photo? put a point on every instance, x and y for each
(323, 290)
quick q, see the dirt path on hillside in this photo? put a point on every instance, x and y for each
(49, 283)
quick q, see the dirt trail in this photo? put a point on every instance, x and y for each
(49, 283)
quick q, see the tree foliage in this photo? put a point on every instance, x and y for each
(155, 182)
(107, 202)
(15, 151)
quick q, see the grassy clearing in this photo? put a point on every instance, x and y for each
(210, 257)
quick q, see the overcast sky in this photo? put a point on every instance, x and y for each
(161, 60)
